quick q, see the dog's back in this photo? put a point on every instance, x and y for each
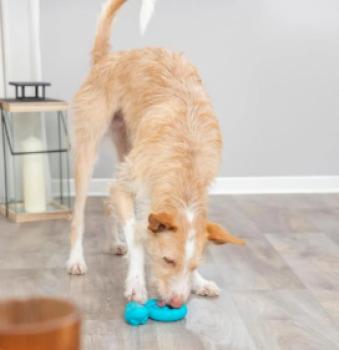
(160, 98)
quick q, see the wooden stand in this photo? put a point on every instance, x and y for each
(15, 106)
(60, 212)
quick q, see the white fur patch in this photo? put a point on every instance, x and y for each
(189, 248)
(181, 285)
(190, 243)
(76, 262)
(135, 248)
(135, 288)
(129, 229)
(191, 234)
(147, 9)
(190, 215)
(77, 251)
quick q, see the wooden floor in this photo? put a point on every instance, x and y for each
(281, 291)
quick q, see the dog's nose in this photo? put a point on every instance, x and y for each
(177, 301)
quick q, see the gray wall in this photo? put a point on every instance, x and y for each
(271, 68)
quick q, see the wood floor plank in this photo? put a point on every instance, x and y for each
(26, 283)
(8, 231)
(7, 228)
(286, 319)
(102, 334)
(293, 200)
(176, 336)
(311, 200)
(37, 245)
(116, 334)
(225, 211)
(254, 266)
(273, 215)
(329, 300)
(313, 257)
(99, 293)
(327, 220)
(215, 329)
(46, 244)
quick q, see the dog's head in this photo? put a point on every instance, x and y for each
(176, 245)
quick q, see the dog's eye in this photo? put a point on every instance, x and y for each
(161, 227)
(169, 261)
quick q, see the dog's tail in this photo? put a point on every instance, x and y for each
(102, 45)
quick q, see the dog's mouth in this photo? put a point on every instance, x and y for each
(161, 303)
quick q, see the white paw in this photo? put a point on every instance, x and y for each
(136, 291)
(76, 267)
(206, 288)
(118, 249)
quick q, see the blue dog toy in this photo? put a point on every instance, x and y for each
(136, 314)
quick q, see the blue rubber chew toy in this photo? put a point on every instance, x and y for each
(136, 314)
(164, 313)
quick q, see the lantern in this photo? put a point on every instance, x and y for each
(35, 173)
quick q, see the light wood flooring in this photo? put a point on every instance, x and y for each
(280, 291)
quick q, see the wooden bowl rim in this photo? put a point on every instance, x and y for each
(41, 327)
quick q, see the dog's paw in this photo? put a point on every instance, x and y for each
(118, 249)
(136, 291)
(76, 267)
(206, 288)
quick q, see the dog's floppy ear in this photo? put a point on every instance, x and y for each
(161, 222)
(218, 235)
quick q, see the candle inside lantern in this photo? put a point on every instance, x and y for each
(34, 188)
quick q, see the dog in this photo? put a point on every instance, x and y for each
(167, 137)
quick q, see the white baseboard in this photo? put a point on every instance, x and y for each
(252, 185)
(244, 185)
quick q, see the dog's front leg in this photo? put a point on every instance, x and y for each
(204, 287)
(135, 288)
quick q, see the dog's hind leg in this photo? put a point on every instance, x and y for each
(116, 244)
(119, 136)
(89, 125)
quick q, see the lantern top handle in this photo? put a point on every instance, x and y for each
(36, 84)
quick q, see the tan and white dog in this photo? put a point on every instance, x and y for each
(168, 142)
